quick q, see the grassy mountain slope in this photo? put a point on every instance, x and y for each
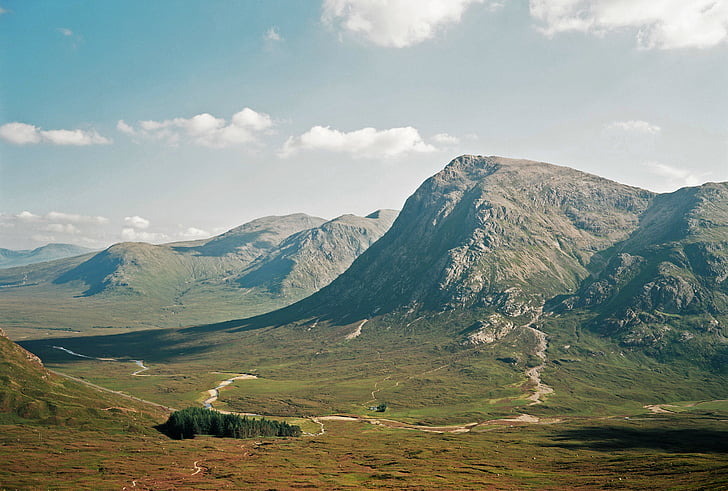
(257, 267)
(29, 393)
(12, 258)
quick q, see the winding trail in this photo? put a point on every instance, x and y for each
(197, 468)
(215, 392)
(533, 375)
(357, 331)
(139, 363)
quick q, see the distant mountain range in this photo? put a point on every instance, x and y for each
(10, 258)
(256, 267)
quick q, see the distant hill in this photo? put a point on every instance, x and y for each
(256, 267)
(11, 258)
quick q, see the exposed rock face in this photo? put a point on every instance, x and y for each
(489, 232)
(666, 282)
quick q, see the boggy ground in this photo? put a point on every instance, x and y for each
(677, 451)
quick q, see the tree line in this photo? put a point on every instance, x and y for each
(192, 421)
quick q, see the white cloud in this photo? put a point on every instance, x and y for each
(662, 24)
(204, 129)
(137, 222)
(22, 134)
(58, 216)
(65, 31)
(27, 229)
(194, 233)
(367, 142)
(273, 35)
(26, 215)
(130, 234)
(124, 128)
(3, 11)
(636, 126)
(446, 139)
(674, 177)
(62, 228)
(74, 137)
(394, 23)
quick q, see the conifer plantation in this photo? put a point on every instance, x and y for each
(193, 421)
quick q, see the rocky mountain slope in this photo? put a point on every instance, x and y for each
(12, 258)
(509, 243)
(490, 232)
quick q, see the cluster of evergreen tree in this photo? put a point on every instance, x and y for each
(199, 421)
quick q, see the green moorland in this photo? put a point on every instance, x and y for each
(425, 374)
(685, 451)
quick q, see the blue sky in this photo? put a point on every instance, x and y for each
(171, 120)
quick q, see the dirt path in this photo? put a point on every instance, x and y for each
(533, 375)
(215, 392)
(357, 331)
(197, 468)
(104, 389)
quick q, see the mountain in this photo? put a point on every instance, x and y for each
(11, 258)
(309, 260)
(488, 232)
(257, 267)
(664, 288)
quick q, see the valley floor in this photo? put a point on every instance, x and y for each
(654, 452)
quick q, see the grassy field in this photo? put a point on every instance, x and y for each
(685, 451)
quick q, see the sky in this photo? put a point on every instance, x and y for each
(178, 119)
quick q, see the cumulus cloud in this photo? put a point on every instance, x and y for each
(27, 229)
(661, 24)
(674, 177)
(636, 126)
(137, 222)
(129, 234)
(366, 142)
(394, 23)
(446, 139)
(24, 134)
(203, 129)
